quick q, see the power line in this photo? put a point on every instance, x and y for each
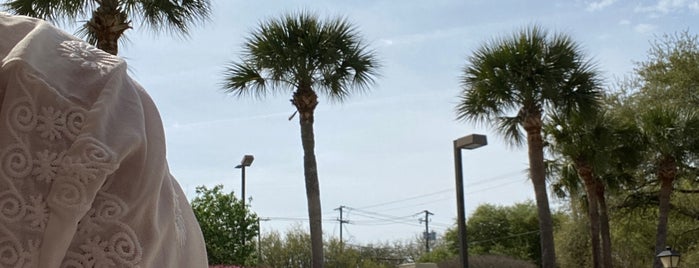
(484, 181)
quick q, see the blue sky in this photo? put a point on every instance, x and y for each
(387, 152)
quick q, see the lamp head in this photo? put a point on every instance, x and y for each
(246, 162)
(471, 142)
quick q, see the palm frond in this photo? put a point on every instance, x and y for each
(531, 72)
(243, 79)
(298, 49)
(175, 17)
(52, 10)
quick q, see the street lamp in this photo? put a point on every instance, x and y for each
(469, 142)
(246, 162)
(669, 258)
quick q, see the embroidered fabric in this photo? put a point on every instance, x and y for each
(83, 177)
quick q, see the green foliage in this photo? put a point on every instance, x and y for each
(302, 51)
(501, 230)
(437, 254)
(511, 80)
(172, 16)
(293, 250)
(229, 228)
(670, 75)
(572, 242)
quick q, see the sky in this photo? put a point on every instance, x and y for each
(385, 155)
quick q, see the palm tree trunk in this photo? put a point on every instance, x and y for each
(604, 226)
(305, 101)
(537, 172)
(666, 173)
(586, 174)
(106, 26)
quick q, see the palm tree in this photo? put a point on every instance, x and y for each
(302, 55)
(595, 151)
(672, 146)
(513, 83)
(110, 18)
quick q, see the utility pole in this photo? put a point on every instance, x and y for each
(427, 229)
(341, 222)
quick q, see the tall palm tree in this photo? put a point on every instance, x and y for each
(672, 148)
(304, 56)
(512, 83)
(110, 18)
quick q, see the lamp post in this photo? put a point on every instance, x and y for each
(469, 142)
(246, 162)
(669, 258)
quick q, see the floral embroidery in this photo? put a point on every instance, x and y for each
(38, 212)
(47, 156)
(97, 253)
(47, 164)
(88, 56)
(88, 224)
(76, 168)
(51, 123)
(30, 257)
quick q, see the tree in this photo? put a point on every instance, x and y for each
(594, 151)
(666, 111)
(291, 250)
(501, 230)
(229, 227)
(300, 54)
(111, 18)
(672, 150)
(511, 84)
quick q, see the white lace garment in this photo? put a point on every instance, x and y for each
(83, 176)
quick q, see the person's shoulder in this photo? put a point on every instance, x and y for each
(68, 66)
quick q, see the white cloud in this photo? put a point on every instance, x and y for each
(594, 6)
(694, 6)
(644, 28)
(624, 22)
(667, 6)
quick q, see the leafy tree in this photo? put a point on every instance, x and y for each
(229, 227)
(665, 109)
(302, 55)
(670, 75)
(110, 18)
(502, 230)
(513, 83)
(291, 250)
(574, 252)
(672, 147)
